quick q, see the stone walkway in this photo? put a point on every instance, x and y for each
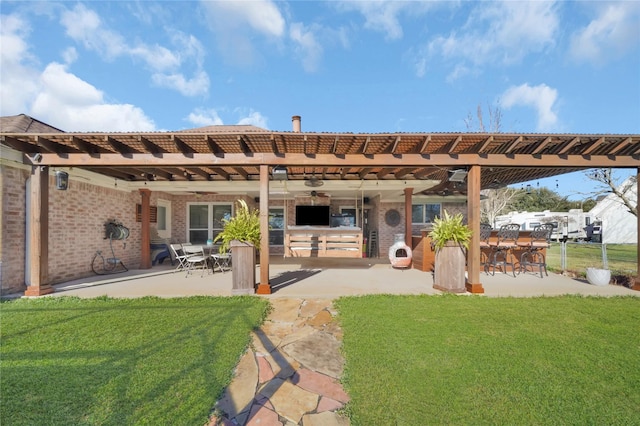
(290, 374)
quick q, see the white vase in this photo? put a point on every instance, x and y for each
(598, 276)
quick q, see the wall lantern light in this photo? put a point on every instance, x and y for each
(62, 180)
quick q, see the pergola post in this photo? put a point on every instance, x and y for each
(408, 193)
(264, 287)
(39, 234)
(636, 285)
(145, 232)
(473, 284)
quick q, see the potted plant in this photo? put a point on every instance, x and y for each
(450, 238)
(241, 235)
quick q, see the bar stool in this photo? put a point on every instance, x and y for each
(485, 234)
(507, 241)
(532, 256)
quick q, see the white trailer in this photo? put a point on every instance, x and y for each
(575, 224)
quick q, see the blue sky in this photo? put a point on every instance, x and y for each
(381, 66)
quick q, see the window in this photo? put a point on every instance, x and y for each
(164, 219)
(424, 213)
(276, 226)
(206, 220)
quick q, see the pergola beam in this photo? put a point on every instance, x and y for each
(353, 160)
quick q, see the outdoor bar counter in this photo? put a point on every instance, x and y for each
(424, 255)
(316, 241)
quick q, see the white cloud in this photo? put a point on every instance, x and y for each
(188, 87)
(613, 32)
(210, 117)
(202, 117)
(236, 24)
(18, 77)
(499, 32)
(261, 15)
(254, 118)
(85, 26)
(307, 46)
(70, 55)
(67, 102)
(383, 15)
(54, 95)
(541, 98)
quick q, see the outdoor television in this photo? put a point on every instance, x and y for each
(313, 215)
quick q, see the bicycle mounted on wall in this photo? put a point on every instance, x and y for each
(113, 230)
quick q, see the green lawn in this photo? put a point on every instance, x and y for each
(69, 361)
(622, 258)
(413, 360)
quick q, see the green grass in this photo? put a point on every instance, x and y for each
(622, 258)
(473, 360)
(108, 361)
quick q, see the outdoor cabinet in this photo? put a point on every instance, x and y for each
(243, 267)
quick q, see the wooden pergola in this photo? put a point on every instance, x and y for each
(247, 154)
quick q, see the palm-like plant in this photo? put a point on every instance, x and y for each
(450, 228)
(243, 226)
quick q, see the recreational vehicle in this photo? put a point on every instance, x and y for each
(575, 224)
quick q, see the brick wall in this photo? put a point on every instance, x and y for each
(12, 241)
(76, 228)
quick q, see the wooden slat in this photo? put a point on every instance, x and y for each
(395, 145)
(620, 146)
(120, 147)
(593, 146)
(85, 146)
(485, 144)
(365, 146)
(213, 146)
(20, 145)
(513, 145)
(365, 171)
(182, 146)
(53, 146)
(541, 146)
(425, 144)
(150, 146)
(455, 143)
(382, 173)
(568, 146)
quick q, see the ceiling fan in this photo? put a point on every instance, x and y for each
(313, 182)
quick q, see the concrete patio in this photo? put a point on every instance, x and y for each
(322, 279)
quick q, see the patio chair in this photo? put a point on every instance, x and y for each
(179, 255)
(485, 234)
(540, 238)
(503, 247)
(221, 261)
(195, 258)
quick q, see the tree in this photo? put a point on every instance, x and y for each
(493, 126)
(607, 183)
(541, 199)
(496, 202)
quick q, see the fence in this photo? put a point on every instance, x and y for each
(576, 257)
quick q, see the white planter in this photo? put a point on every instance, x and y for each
(598, 276)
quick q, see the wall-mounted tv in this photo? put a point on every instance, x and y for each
(313, 215)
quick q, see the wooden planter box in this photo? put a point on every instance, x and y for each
(243, 267)
(449, 269)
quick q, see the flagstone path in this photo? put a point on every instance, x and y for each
(290, 374)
